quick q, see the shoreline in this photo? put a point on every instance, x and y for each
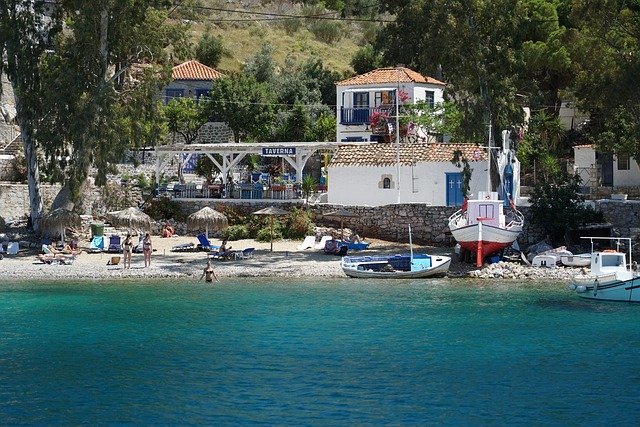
(285, 261)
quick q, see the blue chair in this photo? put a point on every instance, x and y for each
(97, 244)
(115, 244)
(205, 244)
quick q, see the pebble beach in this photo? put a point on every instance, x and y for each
(286, 260)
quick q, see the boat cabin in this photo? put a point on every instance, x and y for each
(608, 262)
(486, 208)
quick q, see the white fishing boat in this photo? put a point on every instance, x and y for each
(482, 226)
(396, 266)
(579, 260)
(610, 278)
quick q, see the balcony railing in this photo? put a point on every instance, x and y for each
(359, 115)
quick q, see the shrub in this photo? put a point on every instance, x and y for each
(326, 31)
(264, 234)
(236, 232)
(164, 208)
(298, 224)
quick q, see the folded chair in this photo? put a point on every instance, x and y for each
(308, 243)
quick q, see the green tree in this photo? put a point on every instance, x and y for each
(25, 34)
(366, 59)
(185, 117)
(244, 104)
(210, 50)
(262, 66)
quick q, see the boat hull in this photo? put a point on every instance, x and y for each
(370, 267)
(494, 239)
(581, 260)
(608, 290)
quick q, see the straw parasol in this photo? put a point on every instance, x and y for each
(271, 211)
(342, 214)
(57, 221)
(205, 218)
(132, 218)
(2, 225)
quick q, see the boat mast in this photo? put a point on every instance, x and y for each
(410, 244)
(398, 136)
(489, 156)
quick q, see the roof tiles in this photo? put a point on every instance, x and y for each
(384, 154)
(194, 70)
(389, 75)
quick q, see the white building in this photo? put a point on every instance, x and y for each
(365, 174)
(359, 97)
(600, 170)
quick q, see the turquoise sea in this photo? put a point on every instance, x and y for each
(331, 352)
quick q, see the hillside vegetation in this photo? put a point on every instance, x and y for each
(243, 33)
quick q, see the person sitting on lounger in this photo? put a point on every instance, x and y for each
(224, 251)
(354, 238)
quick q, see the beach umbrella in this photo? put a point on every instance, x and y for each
(132, 218)
(271, 211)
(207, 218)
(342, 214)
(57, 221)
(2, 225)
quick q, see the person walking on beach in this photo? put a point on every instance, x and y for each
(127, 249)
(208, 273)
(147, 248)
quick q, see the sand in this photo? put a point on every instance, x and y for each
(286, 260)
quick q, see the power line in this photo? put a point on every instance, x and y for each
(278, 16)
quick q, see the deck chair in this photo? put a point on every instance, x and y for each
(115, 244)
(97, 244)
(245, 253)
(205, 244)
(185, 247)
(323, 241)
(308, 243)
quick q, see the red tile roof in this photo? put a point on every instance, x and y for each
(383, 154)
(389, 75)
(193, 70)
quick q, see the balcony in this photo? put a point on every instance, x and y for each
(360, 115)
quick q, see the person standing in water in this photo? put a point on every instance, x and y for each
(208, 273)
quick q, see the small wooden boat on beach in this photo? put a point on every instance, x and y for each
(397, 266)
(610, 277)
(579, 260)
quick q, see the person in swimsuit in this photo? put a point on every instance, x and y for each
(208, 273)
(127, 248)
(147, 248)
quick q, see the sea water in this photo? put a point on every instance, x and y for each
(330, 352)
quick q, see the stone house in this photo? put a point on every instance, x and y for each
(619, 173)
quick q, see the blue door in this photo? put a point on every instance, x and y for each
(507, 184)
(454, 189)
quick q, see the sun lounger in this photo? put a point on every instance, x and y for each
(308, 243)
(323, 241)
(244, 254)
(205, 244)
(115, 245)
(185, 247)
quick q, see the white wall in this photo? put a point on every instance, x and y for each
(626, 178)
(361, 185)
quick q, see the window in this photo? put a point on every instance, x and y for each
(624, 163)
(360, 100)
(386, 183)
(384, 98)
(170, 94)
(200, 93)
(429, 98)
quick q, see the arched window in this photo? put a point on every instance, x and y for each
(386, 183)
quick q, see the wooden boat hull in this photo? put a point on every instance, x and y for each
(370, 267)
(494, 239)
(580, 260)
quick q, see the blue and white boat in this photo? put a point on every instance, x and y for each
(610, 278)
(396, 266)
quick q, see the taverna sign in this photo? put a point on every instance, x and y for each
(278, 151)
